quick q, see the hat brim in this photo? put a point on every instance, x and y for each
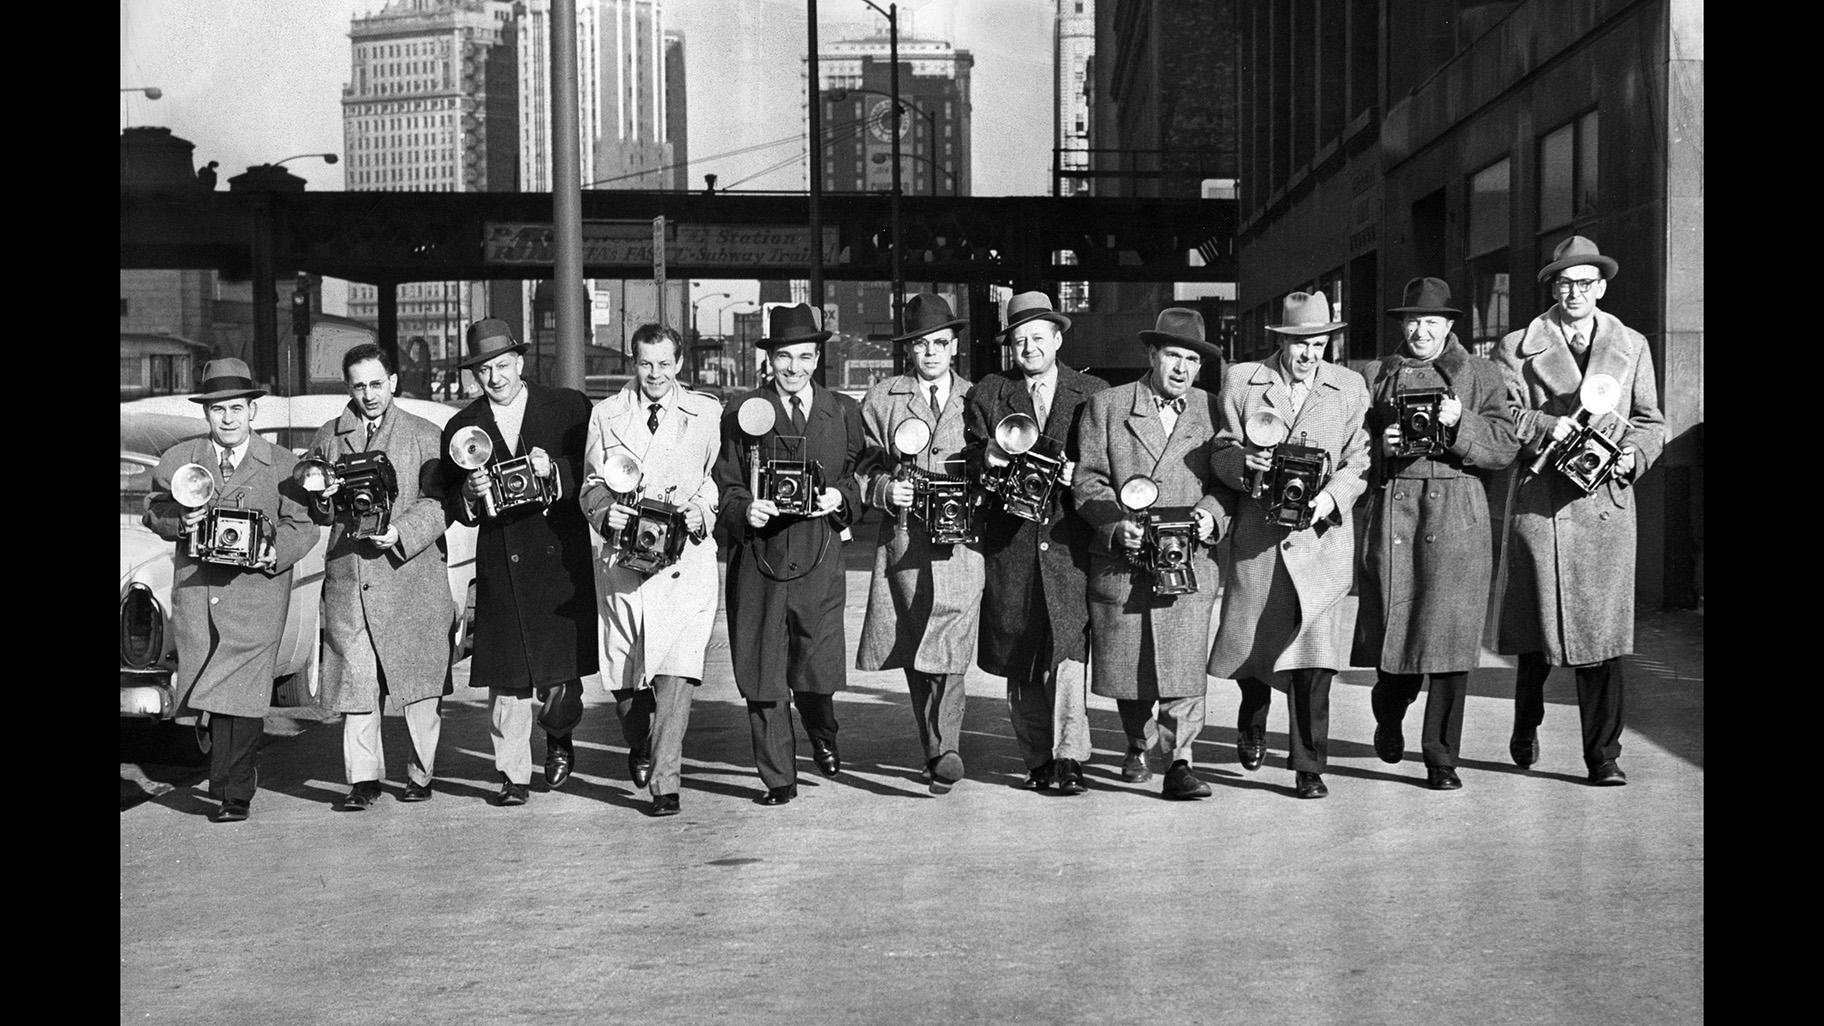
(1053, 316)
(1166, 338)
(958, 324)
(792, 340)
(1608, 265)
(1439, 311)
(1308, 329)
(231, 393)
(476, 361)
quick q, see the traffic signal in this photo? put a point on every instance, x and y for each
(300, 313)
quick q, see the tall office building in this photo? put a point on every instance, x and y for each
(1073, 60)
(430, 106)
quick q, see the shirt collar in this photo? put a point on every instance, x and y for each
(804, 396)
(1049, 379)
(518, 402)
(667, 402)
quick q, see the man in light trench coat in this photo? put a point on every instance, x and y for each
(387, 608)
(655, 627)
(924, 599)
(1569, 599)
(1282, 622)
(1426, 568)
(230, 619)
(1147, 649)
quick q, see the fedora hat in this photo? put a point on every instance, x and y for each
(1426, 296)
(1306, 313)
(1578, 250)
(227, 378)
(1029, 306)
(488, 338)
(928, 312)
(787, 325)
(1179, 326)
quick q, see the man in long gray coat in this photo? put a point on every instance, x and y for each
(1147, 648)
(1425, 574)
(1569, 599)
(387, 608)
(924, 599)
(1282, 619)
(230, 619)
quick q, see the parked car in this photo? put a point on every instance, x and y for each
(148, 649)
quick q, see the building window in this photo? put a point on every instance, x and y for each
(126, 306)
(1567, 173)
(1490, 214)
(132, 373)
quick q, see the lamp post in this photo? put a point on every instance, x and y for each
(899, 284)
(743, 365)
(152, 93)
(838, 95)
(693, 310)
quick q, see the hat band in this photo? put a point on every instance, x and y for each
(229, 384)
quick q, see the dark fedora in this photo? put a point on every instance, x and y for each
(786, 325)
(1179, 326)
(928, 312)
(1575, 251)
(227, 378)
(1426, 296)
(1306, 313)
(488, 338)
(1031, 306)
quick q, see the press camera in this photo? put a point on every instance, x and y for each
(792, 485)
(511, 483)
(1420, 432)
(654, 537)
(368, 488)
(1034, 465)
(1168, 537)
(946, 504)
(1586, 457)
(228, 535)
(1297, 473)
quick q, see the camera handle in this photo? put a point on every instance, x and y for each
(1256, 480)
(1550, 451)
(903, 473)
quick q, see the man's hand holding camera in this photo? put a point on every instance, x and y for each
(541, 462)
(828, 501)
(1450, 410)
(1065, 475)
(193, 518)
(476, 484)
(1128, 535)
(1322, 505)
(899, 494)
(1261, 460)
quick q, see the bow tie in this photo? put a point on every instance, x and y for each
(1177, 404)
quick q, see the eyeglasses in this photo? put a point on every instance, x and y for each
(1583, 285)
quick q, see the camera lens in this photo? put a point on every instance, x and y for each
(1294, 491)
(785, 487)
(647, 540)
(950, 510)
(1171, 552)
(1032, 484)
(229, 536)
(363, 501)
(1421, 421)
(1588, 461)
(515, 483)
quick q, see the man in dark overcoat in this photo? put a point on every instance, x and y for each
(924, 599)
(1148, 649)
(1426, 567)
(230, 619)
(785, 589)
(534, 594)
(1035, 620)
(1569, 599)
(387, 608)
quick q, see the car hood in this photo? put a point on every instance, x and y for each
(145, 558)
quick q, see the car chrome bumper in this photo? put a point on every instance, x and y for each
(147, 695)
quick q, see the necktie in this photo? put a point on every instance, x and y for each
(935, 408)
(798, 416)
(227, 465)
(1578, 343)
(652, 417)
(1040, 407)
(373, 428)
(1177, 404)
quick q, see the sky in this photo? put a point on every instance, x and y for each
(256, 81)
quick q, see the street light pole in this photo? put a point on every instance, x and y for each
(698, 336)
(899, 284)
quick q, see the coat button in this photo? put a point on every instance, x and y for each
(1434, 493)
(1044, 546)
(367, 587)
(1604, 515)
(1396, 541)
(1399, 495)
(514, 558)
(674, 574)
(213, 600)
(1431, 537)
(550, 550)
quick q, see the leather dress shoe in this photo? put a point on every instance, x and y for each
(1183, 785)
(231, 812)
(1524, 747)
(829, 762)
(946, 770)
(665, 805)
(560, 757)
(1389, 743)
(1038, 778)
(639, 764)
(1251, 748)
(416, 792)
(1134, 768)
(1442, 778)
(1067, 776)
(361, 796)
(1608, 775)
(1311, 785)
(779, 795)
(511, 794)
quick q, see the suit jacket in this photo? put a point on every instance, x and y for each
(534, 591)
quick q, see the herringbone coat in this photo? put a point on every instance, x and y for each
(387, 612)
(1570, 556)
(923, 599)
(1283, 605)
(1123, 436)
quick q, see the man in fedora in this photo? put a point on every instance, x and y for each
(1569, 596)
(1429, 557)
(1282, 622)
(230, 619)
(924, 599)
(387, 610)
(1148, 649)
(534, 594)
(1034, 617)
(785, 589)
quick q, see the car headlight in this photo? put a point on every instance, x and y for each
(142, 629)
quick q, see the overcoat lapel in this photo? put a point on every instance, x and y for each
(1143, 421)
(1545, 351)
(1192, 429)
(1276, 395)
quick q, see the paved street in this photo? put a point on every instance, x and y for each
(1526, 897)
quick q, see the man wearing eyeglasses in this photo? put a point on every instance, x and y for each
(1569, 596)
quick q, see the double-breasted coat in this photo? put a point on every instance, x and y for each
(1570, 556)
(1143, 645)
(785, 588)
(1035, 573)
(1429, 556)
(229, 620)
(534, 588)
(1283, 605)
(924, 600)
(387, 613)
(658, 624)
